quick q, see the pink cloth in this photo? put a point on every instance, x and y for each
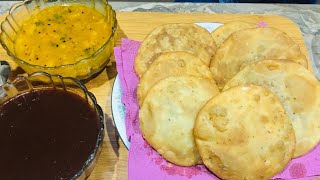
(145, 163)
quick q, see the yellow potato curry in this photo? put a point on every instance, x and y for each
(61, 35)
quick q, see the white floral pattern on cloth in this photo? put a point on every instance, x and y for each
(145, 163)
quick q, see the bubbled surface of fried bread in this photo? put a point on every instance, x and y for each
(250, 45)
(220, 34)
(190, 38)
(168, 114)
(297, 89)
(171, 64)
(244, 133)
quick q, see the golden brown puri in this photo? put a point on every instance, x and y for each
(171, 64)
(168, 113)
(190, 38)
(297, 89)
(223, 32)
(244, 133)
(250, 45)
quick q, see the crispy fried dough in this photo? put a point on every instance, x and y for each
(244, 133)
(220, 34)
(168, 113)
(250, 45)
(297, 89)
(171, 64)
(190, 38)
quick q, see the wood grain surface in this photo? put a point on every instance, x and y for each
(112, 164)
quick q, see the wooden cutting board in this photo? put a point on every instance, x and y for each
(112, 164)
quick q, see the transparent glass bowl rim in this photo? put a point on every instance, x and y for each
(100, 136)
(25, 3)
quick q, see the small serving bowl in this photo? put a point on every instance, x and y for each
(41, 80)
(82, 69)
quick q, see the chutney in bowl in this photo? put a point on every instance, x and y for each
(50, 128)
(69, 38)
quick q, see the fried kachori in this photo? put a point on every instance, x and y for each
(250, 45)
(190, 38)
(171, 64)
(223, 32)
(244, 133)
(297, 89)
(168, 113)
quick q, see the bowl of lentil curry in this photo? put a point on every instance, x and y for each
(69, 38)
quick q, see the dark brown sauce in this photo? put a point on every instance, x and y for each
(46, 134)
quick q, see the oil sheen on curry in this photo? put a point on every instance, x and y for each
(61, 35)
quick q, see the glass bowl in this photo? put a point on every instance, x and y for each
(41, 80)
(82, 69)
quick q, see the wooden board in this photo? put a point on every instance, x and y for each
(112, 164)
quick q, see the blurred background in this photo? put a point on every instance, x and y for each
(225, 1)
(233, 1)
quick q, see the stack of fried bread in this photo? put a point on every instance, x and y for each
(242, 100)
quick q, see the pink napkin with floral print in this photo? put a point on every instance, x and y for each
(145, 163)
